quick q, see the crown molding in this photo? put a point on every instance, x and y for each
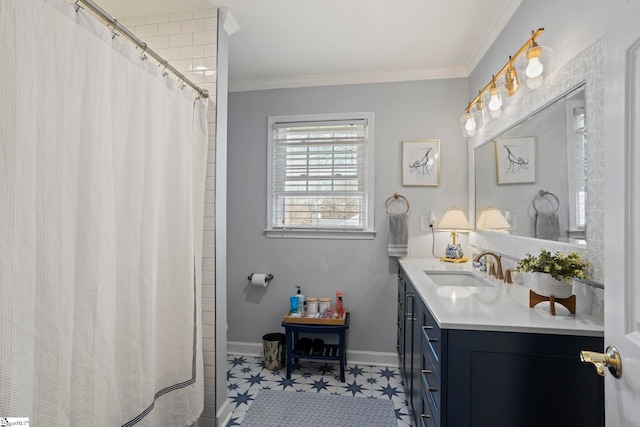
(344, 79)
(493, 30)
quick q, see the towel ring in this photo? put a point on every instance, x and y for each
(543, 193)
(396, 196)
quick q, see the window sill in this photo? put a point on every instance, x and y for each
(320, 234)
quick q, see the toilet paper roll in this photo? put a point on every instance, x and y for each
(258, 279)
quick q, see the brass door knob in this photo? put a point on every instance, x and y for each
(611, 359)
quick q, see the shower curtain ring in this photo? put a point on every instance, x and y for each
(144, 49)
(115, 27)
(164, 70)
(78, 7)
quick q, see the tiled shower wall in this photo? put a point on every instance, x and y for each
(188, 40)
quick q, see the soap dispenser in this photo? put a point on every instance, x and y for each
(301, 301)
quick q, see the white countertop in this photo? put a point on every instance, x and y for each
(503, 307)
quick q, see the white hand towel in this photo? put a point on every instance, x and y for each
(398, 243)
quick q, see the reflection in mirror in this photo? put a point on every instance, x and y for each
(535, 172)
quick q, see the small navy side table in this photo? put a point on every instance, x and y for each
(329, 352)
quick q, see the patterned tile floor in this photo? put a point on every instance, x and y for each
(247, 375)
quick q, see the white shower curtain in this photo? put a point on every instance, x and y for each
(102, 170)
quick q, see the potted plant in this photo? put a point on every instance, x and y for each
(553, 274)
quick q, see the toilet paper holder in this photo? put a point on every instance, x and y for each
(268, 278)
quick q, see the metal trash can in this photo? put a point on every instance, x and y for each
(274, 351)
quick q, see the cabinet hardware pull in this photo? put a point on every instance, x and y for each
(425, 416)
(398, 346)
(426, 371)
(432, 339)
(433, 390)
(427, 327)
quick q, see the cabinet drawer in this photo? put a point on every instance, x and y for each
(425, 418)
(431, 383)
(431, 336)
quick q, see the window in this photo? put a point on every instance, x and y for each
(320, 176)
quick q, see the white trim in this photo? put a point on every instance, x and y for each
(223, 415)
(320, 234)
(337, 79)
(354, 357)
(369, 232)
(244, 348)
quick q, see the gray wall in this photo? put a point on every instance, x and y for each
(360, 268)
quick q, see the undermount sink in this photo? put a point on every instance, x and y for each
(457, 278)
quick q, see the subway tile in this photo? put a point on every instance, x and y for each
(196, 77)
(206, 13)
(210, 223)
(169, 54)
(208, 264)
(210, 76)
(182, 65)
(208, 318)
(170, 28)
(208, 304)
(143, 31)
(208, 250)
(209, 371)
(209, 411)
(211, 24)
(208, 277)
(208, 207)
(180, 40)
(192, 51)
(211, 49)
(192, 26)
(133, 22)
(157, 19)
(209, 384)
(204, 63)
(210, 422)
(208, 237)
(157, 42)
(209, 397)
(208, 291)
(208, 331)
(204, 37)
(182, 16)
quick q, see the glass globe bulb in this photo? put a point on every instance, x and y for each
(534, 69)
(495, 103)
(470, 124)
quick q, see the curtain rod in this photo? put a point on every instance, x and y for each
(202, 93)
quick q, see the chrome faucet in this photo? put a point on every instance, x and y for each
(498, 273)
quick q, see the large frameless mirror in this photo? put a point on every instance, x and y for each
(535, 172)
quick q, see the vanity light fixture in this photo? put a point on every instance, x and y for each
(492, 219)
(495, 95)
(455, 221)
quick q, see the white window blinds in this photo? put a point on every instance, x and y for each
(320, 177)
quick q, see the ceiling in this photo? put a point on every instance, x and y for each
(293, 43)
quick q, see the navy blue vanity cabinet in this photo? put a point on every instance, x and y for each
(473, 378)
(519, 379)
(410, 307)
(401, 322)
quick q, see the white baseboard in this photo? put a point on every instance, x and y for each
(223, 415)
(354, 357)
